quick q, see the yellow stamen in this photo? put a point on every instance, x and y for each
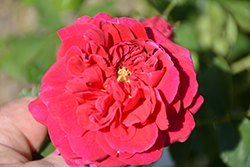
(122, 75)
(103, 90)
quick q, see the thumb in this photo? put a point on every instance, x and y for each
(51, 160)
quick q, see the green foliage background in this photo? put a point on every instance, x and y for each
(217, 32)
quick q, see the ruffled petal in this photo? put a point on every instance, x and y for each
(169, 83)
(196, 104)
(75, 63)
(66, 119)
(110, 161)
(159, 23)
(102, 16)
(149, 156)
(151, 78)
(113, 32)
(60, 140)
(77, 29)
(148, 131)
(182, 60)
(67, 43)
(121, 131)
(86, 147)
(160, 113)
(39, 111)
(83, 115)
(180, 128)
(102, 142)
(97, 35)
(140, 113)
(124, 32)
(54, 81)
(174, 107)
(135, 26)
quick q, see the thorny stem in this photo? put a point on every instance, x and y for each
(169, 8)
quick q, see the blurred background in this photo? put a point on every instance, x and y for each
(217, 32)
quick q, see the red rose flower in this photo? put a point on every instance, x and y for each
(117, 94)
(159, 24)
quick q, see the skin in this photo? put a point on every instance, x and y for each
(21, 136)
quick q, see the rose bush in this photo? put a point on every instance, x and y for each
(118, 93)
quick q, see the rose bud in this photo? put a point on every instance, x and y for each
(158, 23)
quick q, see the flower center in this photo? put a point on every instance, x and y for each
(122, 75)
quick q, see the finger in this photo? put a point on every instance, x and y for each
(50, 161)
(20, 133)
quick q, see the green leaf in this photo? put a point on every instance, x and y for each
(160, 5)
(91, 8)
(240, 156)
(181, 151)
(240, 11)
(241, 47)
(186, 36)
(34, 91)
(67, 4)
(19, 52)
(231, 31)
(217, 29)
(228, 136)
(43, 59)
(217, 87)
(46, 148)
(48, 15)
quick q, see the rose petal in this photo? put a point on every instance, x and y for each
(95, 49)
(160, 24)
(174, 107)
(103, 102)
(169, 83)
(183, 62)
(135, 26)
(93, 77)
(106, 118)
(121, 131)
(151, 78)
(110, 161)
(54, 80)
(77, 85)
(82, 20)
(136, 144)
(39, 111)
(180, 128)
(115, 88)
(155, 35)
(102, 142)
(113, 32)
(60, 140)
(97, 35)
(75, 63)
(131, 102)
(83, 115)
(102, 16)
(66, 119)
(78, 28)
(140, 113)
(160, 113)
(196, 104)
(149, 156)
(86, 147)
(78, 41)
(124, 32)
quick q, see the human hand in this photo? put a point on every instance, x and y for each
(21, 135)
